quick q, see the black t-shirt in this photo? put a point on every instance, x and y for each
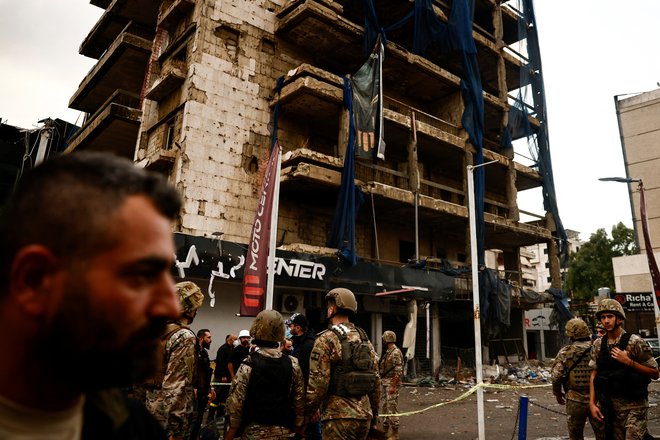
(221, 361)
(302, 349)
(237, 355)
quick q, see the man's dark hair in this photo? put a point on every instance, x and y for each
(68, 203)
(227, 337)
(201, 332)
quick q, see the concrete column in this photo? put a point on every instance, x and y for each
(512, 193)
(342, 137)
(436, 355)
(553, 259)
(501, 69)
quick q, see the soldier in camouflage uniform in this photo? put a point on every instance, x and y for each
(391, 370)
(570, 380)
(623, 366)
(169, 395)
(342, 416)
(266, 398)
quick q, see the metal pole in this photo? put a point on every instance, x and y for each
(650, 257)
(522, 419)
(270, 284)
(656, 311)
(475, 302)
(416, 227)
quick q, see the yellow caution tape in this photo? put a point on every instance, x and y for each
(463, 396)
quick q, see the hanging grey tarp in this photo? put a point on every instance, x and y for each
(561, 313)
(367, 91)
(495, 300)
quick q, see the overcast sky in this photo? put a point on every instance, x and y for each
(591, 51)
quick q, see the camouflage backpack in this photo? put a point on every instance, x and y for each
(578, 375)
(355, 376)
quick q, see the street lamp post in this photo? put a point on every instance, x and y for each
(653, 265)
(475, 298)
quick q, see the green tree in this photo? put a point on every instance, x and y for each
(623, 240)
(591, 267)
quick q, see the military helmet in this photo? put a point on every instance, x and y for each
(599, 325)
(343, 298)
(268, 326)
(612, 306)
(577, 329)
(190, 296)
(389, 336)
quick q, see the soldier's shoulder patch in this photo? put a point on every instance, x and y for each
(314, 356)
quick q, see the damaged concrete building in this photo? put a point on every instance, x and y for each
(189, 88)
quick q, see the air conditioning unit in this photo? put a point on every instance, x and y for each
(293, 303)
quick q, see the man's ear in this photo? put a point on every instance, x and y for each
(35, 272)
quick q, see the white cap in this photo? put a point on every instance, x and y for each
(244, 333)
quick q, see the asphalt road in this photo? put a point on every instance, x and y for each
(546, 419)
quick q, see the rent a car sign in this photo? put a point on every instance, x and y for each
(636, 302)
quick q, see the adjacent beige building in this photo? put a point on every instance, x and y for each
(639, 127)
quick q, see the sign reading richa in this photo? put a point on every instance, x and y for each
(636, 301)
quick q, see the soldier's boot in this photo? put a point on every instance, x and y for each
(393, 433)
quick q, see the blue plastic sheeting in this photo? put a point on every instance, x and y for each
(519, 126)
(350, 198)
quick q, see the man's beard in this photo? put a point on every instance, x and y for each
(206, 345)
(83, 348)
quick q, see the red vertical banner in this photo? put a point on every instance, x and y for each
(255, 275)
(653, 265)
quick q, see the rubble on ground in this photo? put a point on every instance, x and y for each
(524, 373)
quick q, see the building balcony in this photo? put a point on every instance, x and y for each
(485, 23)
(114, 127)
(326, 28)
(143, 12)
(316, 96)
(122, 67)
(305, 170)
(100, 3)
(160, 160)
(106, 31)
(172, 75)
(307, 84)
(173, 11)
